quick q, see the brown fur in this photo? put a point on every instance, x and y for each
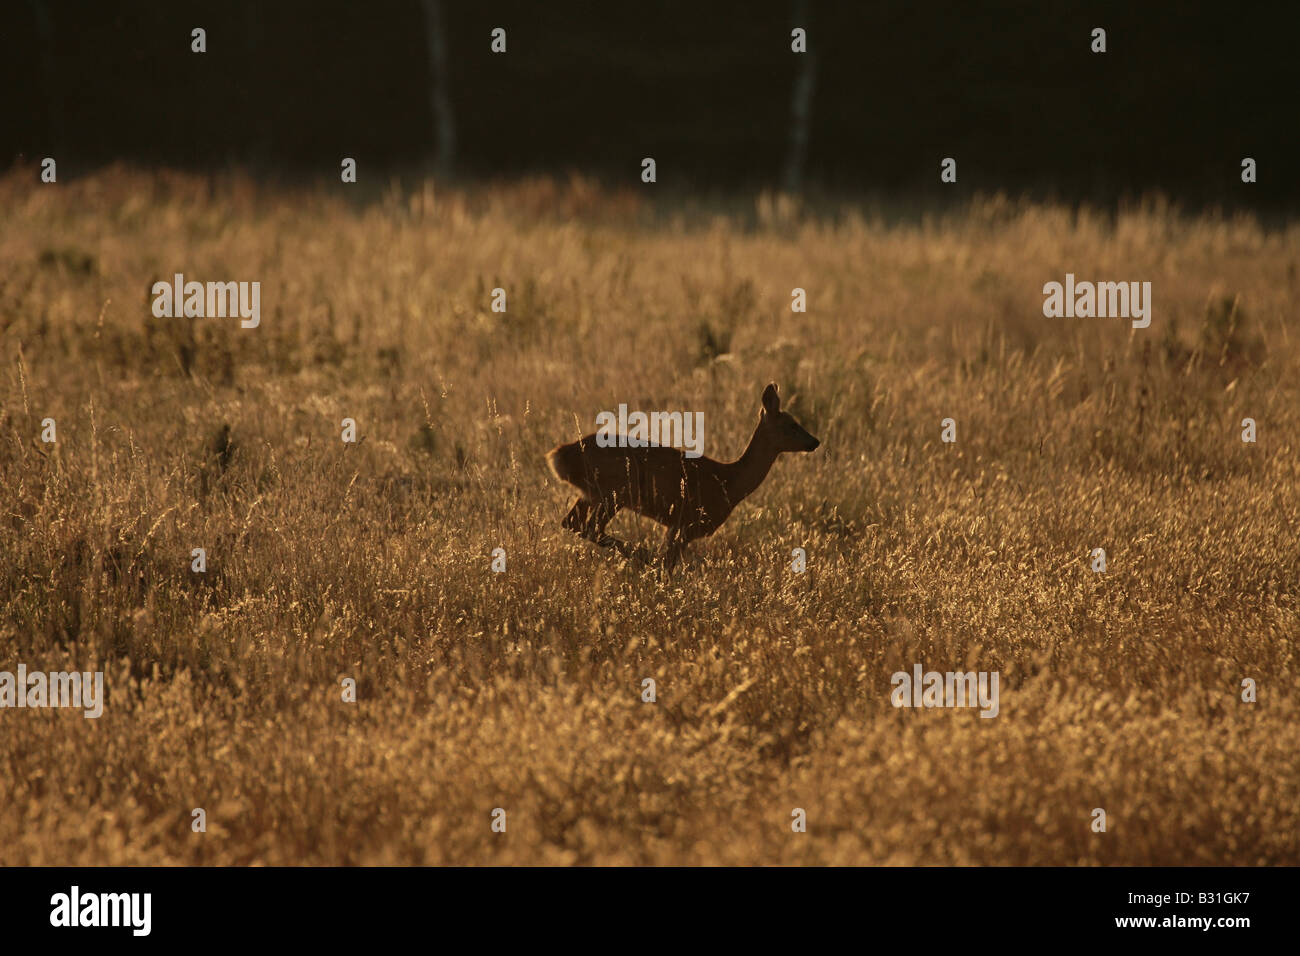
(690, 497)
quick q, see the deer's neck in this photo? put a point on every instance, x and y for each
(748, 471)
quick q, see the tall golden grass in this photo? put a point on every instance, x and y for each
(522, 690)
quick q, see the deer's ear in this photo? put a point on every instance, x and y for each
(771, 404)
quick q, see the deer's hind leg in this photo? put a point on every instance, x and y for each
(601, 515)
(587, 519)
(577, 518)
(674, 542)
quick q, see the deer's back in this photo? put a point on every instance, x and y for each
(658, 482)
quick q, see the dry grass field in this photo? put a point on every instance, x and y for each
(522, 690)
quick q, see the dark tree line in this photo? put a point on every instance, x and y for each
(712, 91)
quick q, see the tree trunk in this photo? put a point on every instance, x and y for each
(800, 107)
(444, 125)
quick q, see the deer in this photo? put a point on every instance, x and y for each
(690, 497)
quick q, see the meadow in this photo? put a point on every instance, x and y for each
(522, 690)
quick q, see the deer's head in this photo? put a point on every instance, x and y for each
(781, 428)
